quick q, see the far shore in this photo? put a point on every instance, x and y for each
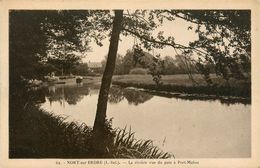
(179, 83)
(182, 84)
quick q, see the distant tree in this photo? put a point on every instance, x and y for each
(80, 69)
(130, 61)
(170, 66)
(187, 66)
(124, 64)
(119, 69)
(119, 66)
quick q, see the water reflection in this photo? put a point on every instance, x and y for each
(37, 96)
(72, 94)
(75, 93)
(211, 128)
(210, 98)
(116, 95)
(134, 97)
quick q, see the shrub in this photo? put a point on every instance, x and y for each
(138, 71)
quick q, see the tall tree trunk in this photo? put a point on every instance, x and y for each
(99, 124)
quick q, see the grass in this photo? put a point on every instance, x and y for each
(35, 133)
(181, 83)
(178, 79)
(38, 134)
(139, 71)
(128, 147)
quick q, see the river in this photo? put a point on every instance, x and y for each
(187, 128)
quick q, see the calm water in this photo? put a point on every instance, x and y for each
(186, 128)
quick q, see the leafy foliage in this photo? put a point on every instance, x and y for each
(224, 38)
(155, 66)
(40, 39)
(81, 69)
(27, 45)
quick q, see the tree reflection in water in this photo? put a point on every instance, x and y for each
(135, 97)
(116, 95)
(73, 94)
(70, 94)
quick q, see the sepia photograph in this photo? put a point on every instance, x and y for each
(129, 83)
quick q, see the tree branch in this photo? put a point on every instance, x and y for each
(137, 16)
(174, 45)
(182, 17)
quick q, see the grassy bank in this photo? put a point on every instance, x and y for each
(182, 84)
(35, 133)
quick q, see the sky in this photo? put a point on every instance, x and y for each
(177, 29)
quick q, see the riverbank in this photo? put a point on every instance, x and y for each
(182, 84)
(72, 80)
(36, 133)
(178, 86)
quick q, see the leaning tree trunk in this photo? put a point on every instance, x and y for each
(99, 124)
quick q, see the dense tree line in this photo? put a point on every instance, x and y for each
(124, 64)
(171, 65)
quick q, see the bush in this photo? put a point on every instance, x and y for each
(139, 71)
(93, 74)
